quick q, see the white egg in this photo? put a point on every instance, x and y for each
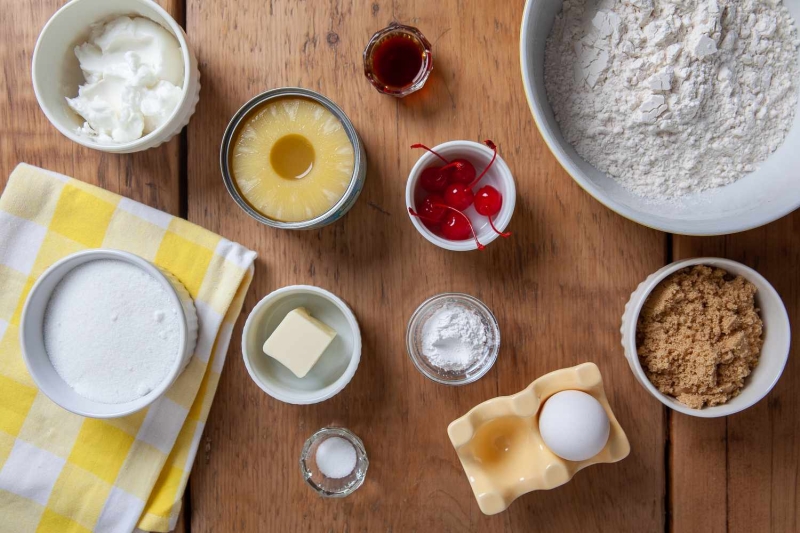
(574, 425)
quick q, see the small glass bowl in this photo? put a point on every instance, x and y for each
(414, 34)
(452, 377)
(325, 486)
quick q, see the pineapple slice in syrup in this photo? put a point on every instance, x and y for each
(292, 159)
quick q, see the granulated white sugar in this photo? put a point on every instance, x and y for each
(111, 331)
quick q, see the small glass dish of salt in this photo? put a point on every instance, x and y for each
(334, 462)
(453, 339)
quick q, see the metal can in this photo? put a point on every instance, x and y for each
(359, 167)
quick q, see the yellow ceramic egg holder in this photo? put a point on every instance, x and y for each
(511, 423)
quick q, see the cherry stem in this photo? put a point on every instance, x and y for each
(431, 151)
(432, 221)
(469, 223)
(492, 146)
(501, 233)
(423, 217)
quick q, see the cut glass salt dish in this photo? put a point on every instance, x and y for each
(329, 487)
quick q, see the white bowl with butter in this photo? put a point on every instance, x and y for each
(57, 74)
(336, 365)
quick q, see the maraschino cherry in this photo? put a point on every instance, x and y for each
(456, 226)
(433, 179)
(488, 202)
(458, 195)
(455, 171)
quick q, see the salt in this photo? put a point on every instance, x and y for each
(336, 458)
(108, 332)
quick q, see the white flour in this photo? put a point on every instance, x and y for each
(672, 98)
(111, 331)
(453, 338)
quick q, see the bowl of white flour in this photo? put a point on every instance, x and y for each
(681, 116)
(104, 333)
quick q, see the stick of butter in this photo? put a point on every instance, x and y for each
(298, 341)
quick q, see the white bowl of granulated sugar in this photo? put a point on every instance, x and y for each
(693, 109)
(104, 333)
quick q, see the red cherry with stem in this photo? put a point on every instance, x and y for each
(434, 179)
(455, 228)
(432, 211)
(459, 226)
(418, 145)
(462, 171)
(456, 225)
(430, 223)
(459, 196)
(433, 208)
(493, 147)
(488, 202)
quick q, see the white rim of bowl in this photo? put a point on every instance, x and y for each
(148, 267)
(176, 31)
(341, 382)
(621, 209)
(630, 334)
(490, 361)
(501, 221)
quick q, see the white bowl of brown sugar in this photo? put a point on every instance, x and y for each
(707, 337)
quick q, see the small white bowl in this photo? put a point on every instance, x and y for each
(57, 73)
(767, 194)
(499, 177)
(774, 353)
(335, 368)
(38, 362)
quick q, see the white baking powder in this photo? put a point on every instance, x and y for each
(673, 97)
(453, 338)
(335, 458)
(111, 331)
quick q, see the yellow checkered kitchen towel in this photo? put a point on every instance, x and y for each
(63, 473)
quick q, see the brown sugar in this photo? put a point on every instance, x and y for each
(699, 335)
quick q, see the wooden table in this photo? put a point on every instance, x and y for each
(557, 287)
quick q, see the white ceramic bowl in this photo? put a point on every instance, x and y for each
(39, 365)
(774, 353)
(758, 198)
(57, 73)
(499, 176)
(335, 368)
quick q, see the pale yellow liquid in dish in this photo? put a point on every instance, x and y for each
(503, 448)
(292, 160)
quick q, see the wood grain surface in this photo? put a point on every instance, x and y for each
(742, 473)
(557, 287)
(152, 177)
